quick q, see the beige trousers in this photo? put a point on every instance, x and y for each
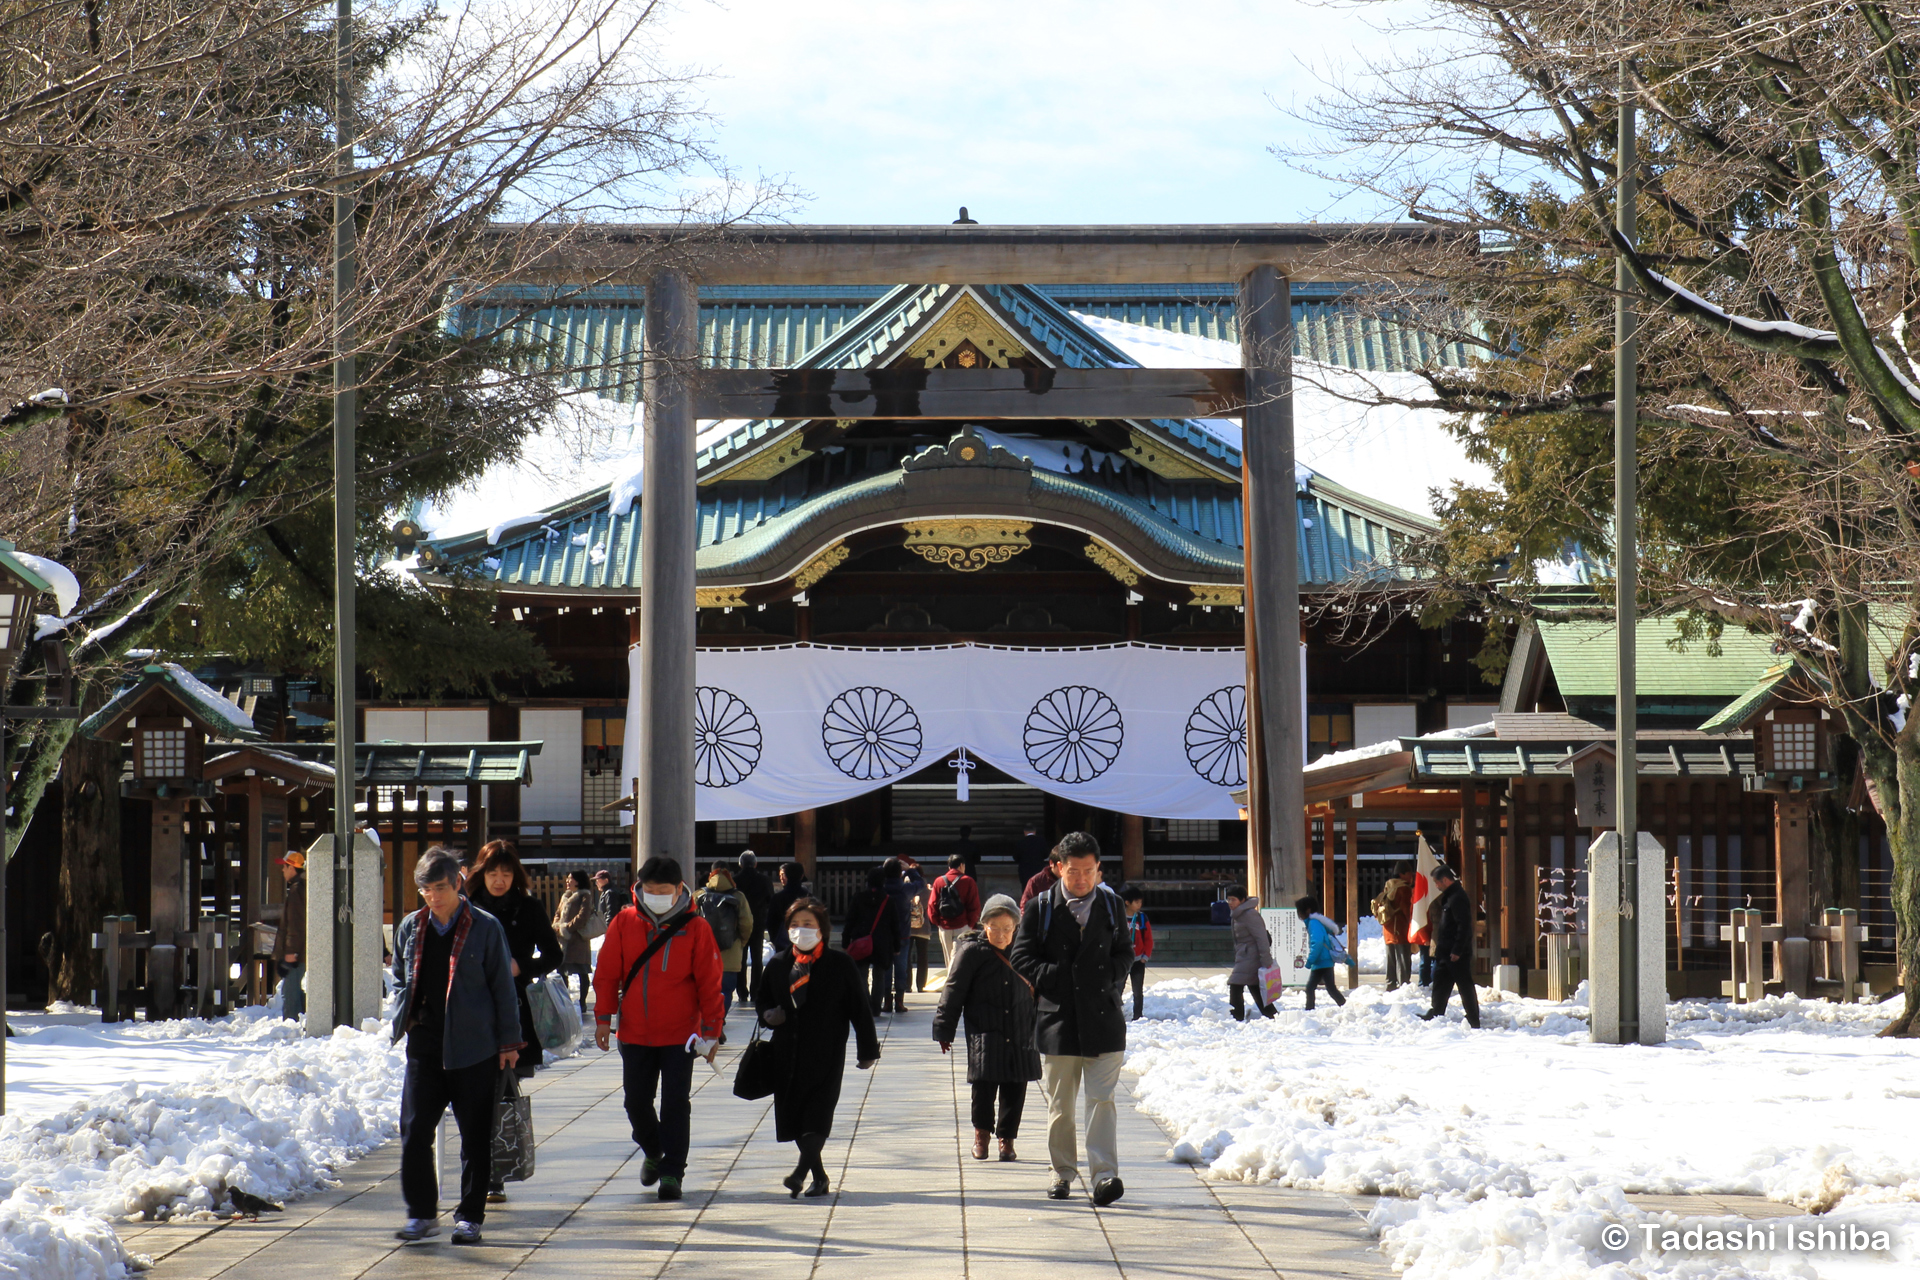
(1061, 1078)
(947, 938)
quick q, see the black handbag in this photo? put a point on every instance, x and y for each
(513, 1141)
(754, 1075)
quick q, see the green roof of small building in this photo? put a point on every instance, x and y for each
(1582, 655)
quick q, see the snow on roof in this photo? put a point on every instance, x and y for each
(591, 442)
(66, 587)
(216, 704)
(1387, 452)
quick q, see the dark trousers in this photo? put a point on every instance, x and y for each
(1319, 978)
(585, 974)
(1012, 1096)
(1426, 966)
(729, 983)
(750, 963)
(1237, 995)
(1399, 964)
(920, 946)
(879, 980)
(665, 1136)
(1137, 975)
(425, 1094)
(1448, 974)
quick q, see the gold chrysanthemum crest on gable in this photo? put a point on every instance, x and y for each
(967, 321)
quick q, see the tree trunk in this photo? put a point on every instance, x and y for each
(1903, 838)
(90, 875)
(1835, 837)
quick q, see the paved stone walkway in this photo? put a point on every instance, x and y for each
(909, 1199)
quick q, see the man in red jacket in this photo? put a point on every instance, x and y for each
(660, 971)
(963, 893)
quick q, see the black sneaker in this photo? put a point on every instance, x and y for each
(669, 1188)
(1060, 1190)
(649, 1171)
(465, 1232)
(1106, 1191)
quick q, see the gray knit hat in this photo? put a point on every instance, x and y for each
(997, 904)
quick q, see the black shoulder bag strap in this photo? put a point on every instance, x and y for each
(662, 935)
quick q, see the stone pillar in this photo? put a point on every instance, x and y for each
(668, 516)
(1133, 847)
(1605, 908)
(1273, 582)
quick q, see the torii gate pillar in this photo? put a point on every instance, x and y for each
(1276, 853)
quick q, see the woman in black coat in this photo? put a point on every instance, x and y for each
(874, 914)
(812, 996)
(499, 887)
(1000, 1014)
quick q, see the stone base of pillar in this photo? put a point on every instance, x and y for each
(1506, 980)
(1604, 913)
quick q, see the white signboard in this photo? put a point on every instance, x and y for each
(1289, 934)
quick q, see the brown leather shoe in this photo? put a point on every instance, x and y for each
(1006, 1150)
(980, 1137)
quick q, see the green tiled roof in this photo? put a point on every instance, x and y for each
(1581, 653)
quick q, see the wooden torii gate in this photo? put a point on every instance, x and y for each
(1263, 258)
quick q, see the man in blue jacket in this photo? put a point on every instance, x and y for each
(461, 1016)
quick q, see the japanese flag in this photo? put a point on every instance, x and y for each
(1423, 893)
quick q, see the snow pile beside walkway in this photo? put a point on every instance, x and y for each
(1510, 1147)
(274, 1121)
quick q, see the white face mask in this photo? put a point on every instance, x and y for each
(805, 939)
(658, 903)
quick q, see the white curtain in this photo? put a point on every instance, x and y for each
(1132, 728)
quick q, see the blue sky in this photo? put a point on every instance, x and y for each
(1044, 111)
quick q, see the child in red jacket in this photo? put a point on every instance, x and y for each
(1135, 900)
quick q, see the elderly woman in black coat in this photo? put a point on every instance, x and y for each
(997, 1003)
(812, 996)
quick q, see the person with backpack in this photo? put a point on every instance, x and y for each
(753, 882)
(1394, 910)
(813, 998)
(1135, 901)
(1073, 946)
(913, 956)
(1252, 952)
(1324, 949)
(997, 1005)
(730, 917)
(954, 906)
(870, 937)
(659, 971)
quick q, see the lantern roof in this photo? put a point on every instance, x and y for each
(14, 563)
(1782, 684)
(167, 688)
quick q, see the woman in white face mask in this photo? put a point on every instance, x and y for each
(812, 995)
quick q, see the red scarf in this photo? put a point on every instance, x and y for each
(803, 971)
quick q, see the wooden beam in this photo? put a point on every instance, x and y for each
(974, 254)
(969, 393)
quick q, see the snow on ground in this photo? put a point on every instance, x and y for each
(1505, 1151)
(1339, 430)
(141, 1119)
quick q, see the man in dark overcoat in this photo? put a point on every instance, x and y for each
(1452, 948)
(1074, 946)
